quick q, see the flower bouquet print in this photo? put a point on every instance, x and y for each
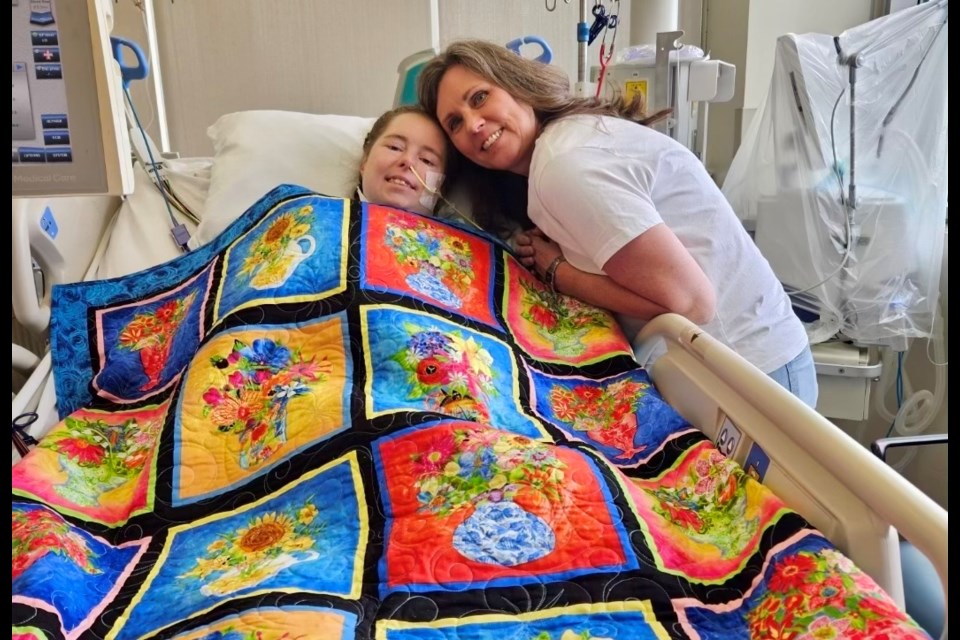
(254, 396)
(39, 532)
(453, 374)
(138, 348)
(67, 573)
(97, 465)
(268, 543)
(99, 455)
(565, 322)
(280, 249)
(297, 252)
(623, 416)
(151, 334)
(807, 589)
(438, 264)
(466, 502)
(487, 469)
(553, 327)
(142, 347)
(418, 361)
(427, 259)
(250, 399)
(608, 415)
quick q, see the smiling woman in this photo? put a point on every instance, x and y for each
(405, 161)
(506, 140)
(616, 214)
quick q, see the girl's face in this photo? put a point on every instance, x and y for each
(410, 142)
(485, 123)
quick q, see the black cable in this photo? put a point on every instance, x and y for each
(21, 439)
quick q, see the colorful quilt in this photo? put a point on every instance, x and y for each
(342, 421)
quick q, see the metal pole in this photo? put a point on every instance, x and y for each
(583, 32)
(157, 80)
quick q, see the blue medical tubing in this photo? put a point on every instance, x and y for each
(138, 72)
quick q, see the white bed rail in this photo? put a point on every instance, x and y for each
(37, 395)
(821, 472)
(55, 237)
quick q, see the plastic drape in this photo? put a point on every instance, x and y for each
(843, 175)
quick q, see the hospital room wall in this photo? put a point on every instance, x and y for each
(322, 56)
(744, 33)
(317, 56)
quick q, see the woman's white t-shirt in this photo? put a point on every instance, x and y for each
(598, 182)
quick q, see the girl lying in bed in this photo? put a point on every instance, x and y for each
(405, 161)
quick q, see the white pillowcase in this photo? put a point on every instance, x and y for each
(254, 151)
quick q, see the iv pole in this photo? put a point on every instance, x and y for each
(583, 32)
(648, 19)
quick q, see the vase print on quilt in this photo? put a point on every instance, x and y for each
(608, 415)
(453, 375)
(38, 532)
(151, 335)
(486, 470)
(437, 264)
(250, 399)
(503, 533)
(99, 457)
(277, 253)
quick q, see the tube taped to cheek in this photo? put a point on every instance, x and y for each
(431, 191)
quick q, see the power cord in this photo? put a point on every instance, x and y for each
(181, 236)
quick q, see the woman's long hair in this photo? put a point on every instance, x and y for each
(544, 87)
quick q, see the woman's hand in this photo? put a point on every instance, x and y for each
(536, 251)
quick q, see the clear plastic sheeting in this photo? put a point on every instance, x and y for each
(648, 53)
(843, 175)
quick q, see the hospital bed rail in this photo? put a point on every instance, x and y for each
(841, 488)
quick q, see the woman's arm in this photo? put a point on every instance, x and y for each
(651, 275)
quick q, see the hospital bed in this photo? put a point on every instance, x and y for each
(853, 498)
(858, 502)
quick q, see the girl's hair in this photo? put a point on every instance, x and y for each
(545, 88)
(380, 125)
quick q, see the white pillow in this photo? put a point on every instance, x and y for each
(254, 151)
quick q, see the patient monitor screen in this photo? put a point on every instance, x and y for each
(60, 145)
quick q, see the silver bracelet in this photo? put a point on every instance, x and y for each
(551, 274)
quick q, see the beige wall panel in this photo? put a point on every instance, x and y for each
(320, 56)
(503, 20)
